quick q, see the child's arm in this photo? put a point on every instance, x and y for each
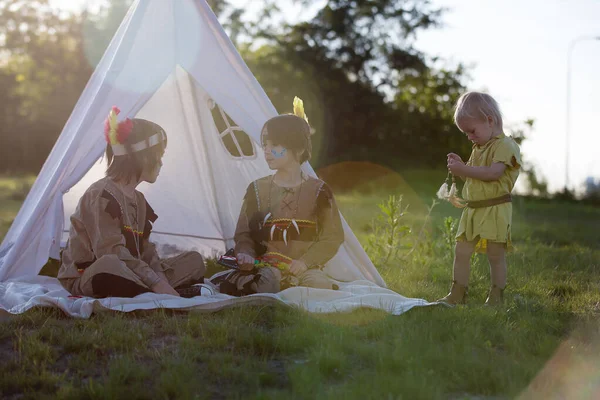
(243, 239)
(244, 243)
(151, 257)
(486, 174)
(150, 254)
(104, 231)
(331, 231)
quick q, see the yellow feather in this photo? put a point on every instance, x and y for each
(114, 125)
(299, 108)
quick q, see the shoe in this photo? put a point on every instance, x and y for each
(200, 289)
(208, 289)
(457, 295)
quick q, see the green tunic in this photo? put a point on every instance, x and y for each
(490, 223)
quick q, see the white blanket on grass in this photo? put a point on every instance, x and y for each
(18, 296)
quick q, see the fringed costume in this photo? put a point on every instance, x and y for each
(278, 225)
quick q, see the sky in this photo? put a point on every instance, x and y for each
(517, 51)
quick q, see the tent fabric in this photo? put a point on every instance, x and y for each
(172, 63)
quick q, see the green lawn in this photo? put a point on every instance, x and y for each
(470, 352)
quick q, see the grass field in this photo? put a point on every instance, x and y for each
(543, 343)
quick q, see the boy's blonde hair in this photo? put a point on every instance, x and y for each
(478, 105)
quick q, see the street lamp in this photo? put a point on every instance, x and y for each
(569, 56)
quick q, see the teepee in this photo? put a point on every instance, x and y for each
(170, 62)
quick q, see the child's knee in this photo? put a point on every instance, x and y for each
(315, 278)
(464, 249)
(496, 249)
(196, 262)
(109, 263)
(269, 280)
(496, 252)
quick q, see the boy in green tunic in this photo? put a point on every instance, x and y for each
(490, 175)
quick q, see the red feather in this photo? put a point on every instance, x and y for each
(124, 130)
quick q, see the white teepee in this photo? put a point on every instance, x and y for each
(172, 63)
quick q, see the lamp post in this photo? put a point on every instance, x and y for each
(568, 110)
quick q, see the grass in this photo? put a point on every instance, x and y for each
(544, 343)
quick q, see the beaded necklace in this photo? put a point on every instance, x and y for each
(295, 213)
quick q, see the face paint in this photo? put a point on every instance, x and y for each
(279, 154)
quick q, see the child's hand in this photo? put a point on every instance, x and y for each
(245, 261)
(455, 157)
(456, 167)
(297, 267)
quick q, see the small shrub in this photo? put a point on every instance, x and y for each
(389, 230)
(448, 229)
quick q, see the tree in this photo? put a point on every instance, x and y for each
(100, 27)
(371, 40)
(8, 115)
(427, 100)
(536, 184)
(42, 51)
(370, 94)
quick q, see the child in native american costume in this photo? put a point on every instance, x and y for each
(289, 225)
(108, 252)
(490, 175)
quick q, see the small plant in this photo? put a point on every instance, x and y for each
(449, 235)
(389, 229)
(423, 243)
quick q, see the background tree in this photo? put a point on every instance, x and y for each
(99, 27)
(44, 70)
(370, 94)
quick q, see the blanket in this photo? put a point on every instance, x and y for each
(20, 295)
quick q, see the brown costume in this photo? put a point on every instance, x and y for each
(279, 224)
(109, 237)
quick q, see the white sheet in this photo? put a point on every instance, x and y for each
(18, 296)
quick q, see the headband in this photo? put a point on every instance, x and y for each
(116, 134)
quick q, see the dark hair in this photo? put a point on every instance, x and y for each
(130, 166)
(291, 132)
